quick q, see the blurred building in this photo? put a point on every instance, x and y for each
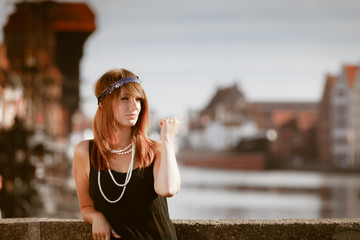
(345, 118)
(223, 122)
(355, 116)
(294, 124)
(39, 96)
(338, 127)
(44, 45)
(313, 134)
(323, 128)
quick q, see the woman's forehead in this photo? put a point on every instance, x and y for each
(126, 92)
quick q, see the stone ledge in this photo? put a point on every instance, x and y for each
(54, 229)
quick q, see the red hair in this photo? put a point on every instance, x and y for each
(105, 125)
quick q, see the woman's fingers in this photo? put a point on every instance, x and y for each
(114, 234)
(101, 236)
(169, 126)
(169, 121)
(106, 236)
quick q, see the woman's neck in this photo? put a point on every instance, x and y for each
(122, 140)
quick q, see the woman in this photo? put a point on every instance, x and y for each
(122, 177)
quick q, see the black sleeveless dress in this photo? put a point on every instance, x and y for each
(141, 213)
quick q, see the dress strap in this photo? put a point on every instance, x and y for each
(91, 142)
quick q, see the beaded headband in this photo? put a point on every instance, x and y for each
(116, 85)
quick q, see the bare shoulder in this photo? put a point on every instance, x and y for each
(81, 154)
(82, 148)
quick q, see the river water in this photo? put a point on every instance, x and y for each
(233, 194)
(227, 194)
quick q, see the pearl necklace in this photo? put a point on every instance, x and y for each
(127, 179)
(122, 151)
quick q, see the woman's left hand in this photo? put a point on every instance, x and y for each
(169, 128)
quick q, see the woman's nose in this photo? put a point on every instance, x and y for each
(133, 103)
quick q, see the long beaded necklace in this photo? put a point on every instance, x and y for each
(122, 151)
(127, 179)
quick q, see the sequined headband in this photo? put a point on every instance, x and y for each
(116, 85)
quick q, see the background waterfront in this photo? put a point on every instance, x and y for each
(226, 194)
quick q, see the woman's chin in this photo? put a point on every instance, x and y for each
(128, 122)
(133, 122)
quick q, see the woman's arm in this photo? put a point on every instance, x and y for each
(81, 167)
(166, 172)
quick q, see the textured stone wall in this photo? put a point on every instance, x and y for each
(70, 229)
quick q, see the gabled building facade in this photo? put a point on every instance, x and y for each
(324, 125)
(343, 118)
(355, 121)
(223, 122)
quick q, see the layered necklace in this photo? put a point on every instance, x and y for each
(127, 178)
(122, 151)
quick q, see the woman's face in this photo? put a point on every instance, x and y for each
(127, 109)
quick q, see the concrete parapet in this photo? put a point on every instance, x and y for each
(54, 229)
(43, 228)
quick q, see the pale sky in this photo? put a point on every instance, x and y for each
(184, 50)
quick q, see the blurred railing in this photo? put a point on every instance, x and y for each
(54, 229)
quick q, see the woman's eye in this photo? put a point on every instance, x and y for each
(138, 99)
(124, 98)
